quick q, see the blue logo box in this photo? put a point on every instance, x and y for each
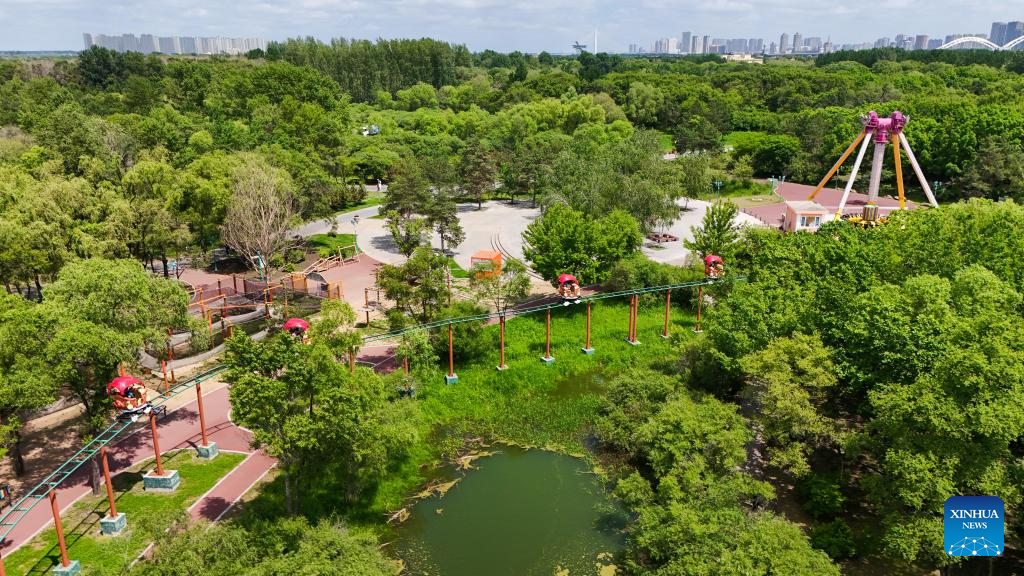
(973, 526)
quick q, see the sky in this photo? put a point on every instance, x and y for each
(503, 25)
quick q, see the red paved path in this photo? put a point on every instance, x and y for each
(179, 429)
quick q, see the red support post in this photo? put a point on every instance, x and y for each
(106, 480)
(405, 366)
(586, 345)
(668, 304)
(156, 444)
(64, 561)
(501, 342)
(451, 351)
(170, 356)
(351, 362)
(202, 414)
(3, 571)
(547, 338)
(700, 302)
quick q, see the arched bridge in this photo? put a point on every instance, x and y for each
(984, 42)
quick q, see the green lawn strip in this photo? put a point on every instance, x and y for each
(665, 141)
(457, 271)
(329, 245)
(149, 515)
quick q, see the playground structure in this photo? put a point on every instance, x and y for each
(298, 328)
(882, 131)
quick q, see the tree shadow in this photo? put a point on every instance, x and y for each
(212, 507)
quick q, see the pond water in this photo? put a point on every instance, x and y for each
(520, 513)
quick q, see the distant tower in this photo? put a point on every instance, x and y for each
(784, 43)
(798, 42)
(998, 34)
(707, 44)
(685, 45)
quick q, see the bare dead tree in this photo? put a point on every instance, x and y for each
(260, 214)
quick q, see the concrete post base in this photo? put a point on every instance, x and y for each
(500, 368)
(166, 483)
(632, 342)
(208, 452)
(452, 379)
(73, 567)
(587, 351)
(111, 526)
(547, 359)
(695, 331)
(664, 337)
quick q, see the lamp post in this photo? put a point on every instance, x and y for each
(718, 188)
(355, 232)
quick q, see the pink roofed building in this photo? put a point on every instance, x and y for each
(796, 205)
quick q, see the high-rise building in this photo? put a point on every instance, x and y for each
(813, 44)
(707, 45)
(673, 46)
(685, 45)
(798, 42)
(755, 45)
(882, 42)
(934, 43)
(784, 43)
(1014, 30)
(921, 42)
(147, 43)
(695, 45)
(998, 33)
(772, 48)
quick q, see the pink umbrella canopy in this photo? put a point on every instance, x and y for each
(121, 384)
(296, 324)
(567, 278)
(712, 259)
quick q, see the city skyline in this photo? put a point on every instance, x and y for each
(529, 25)
(1000, 34)
(148, 44)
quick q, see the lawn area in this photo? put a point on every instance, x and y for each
(666, 141)
(457, 271)
(329, 245)
(530, 403)
(149, 515)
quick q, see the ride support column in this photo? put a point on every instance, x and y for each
(66, 567)
(668, 304)
(114, 523)
(159, 480)
(451, 377)
(501, 343)
(547, 358)
(207, 449)
(587, 349)
(700, 302)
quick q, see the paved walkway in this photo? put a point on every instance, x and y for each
(179, 429)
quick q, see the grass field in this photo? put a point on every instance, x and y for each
(329, 245)
(149, 516)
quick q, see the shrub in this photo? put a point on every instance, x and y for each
(471, 341)
(820, 495)
(296, 255)
(835, 539)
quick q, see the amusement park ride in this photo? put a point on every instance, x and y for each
(882, 132)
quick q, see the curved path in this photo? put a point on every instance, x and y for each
(179, 429)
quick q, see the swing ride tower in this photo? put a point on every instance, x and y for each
(881, 131)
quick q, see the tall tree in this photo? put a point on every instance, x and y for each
(261, 213)
(478, 170)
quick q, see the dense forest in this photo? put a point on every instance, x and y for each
(880, 370)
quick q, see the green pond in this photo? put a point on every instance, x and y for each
(519, 513)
